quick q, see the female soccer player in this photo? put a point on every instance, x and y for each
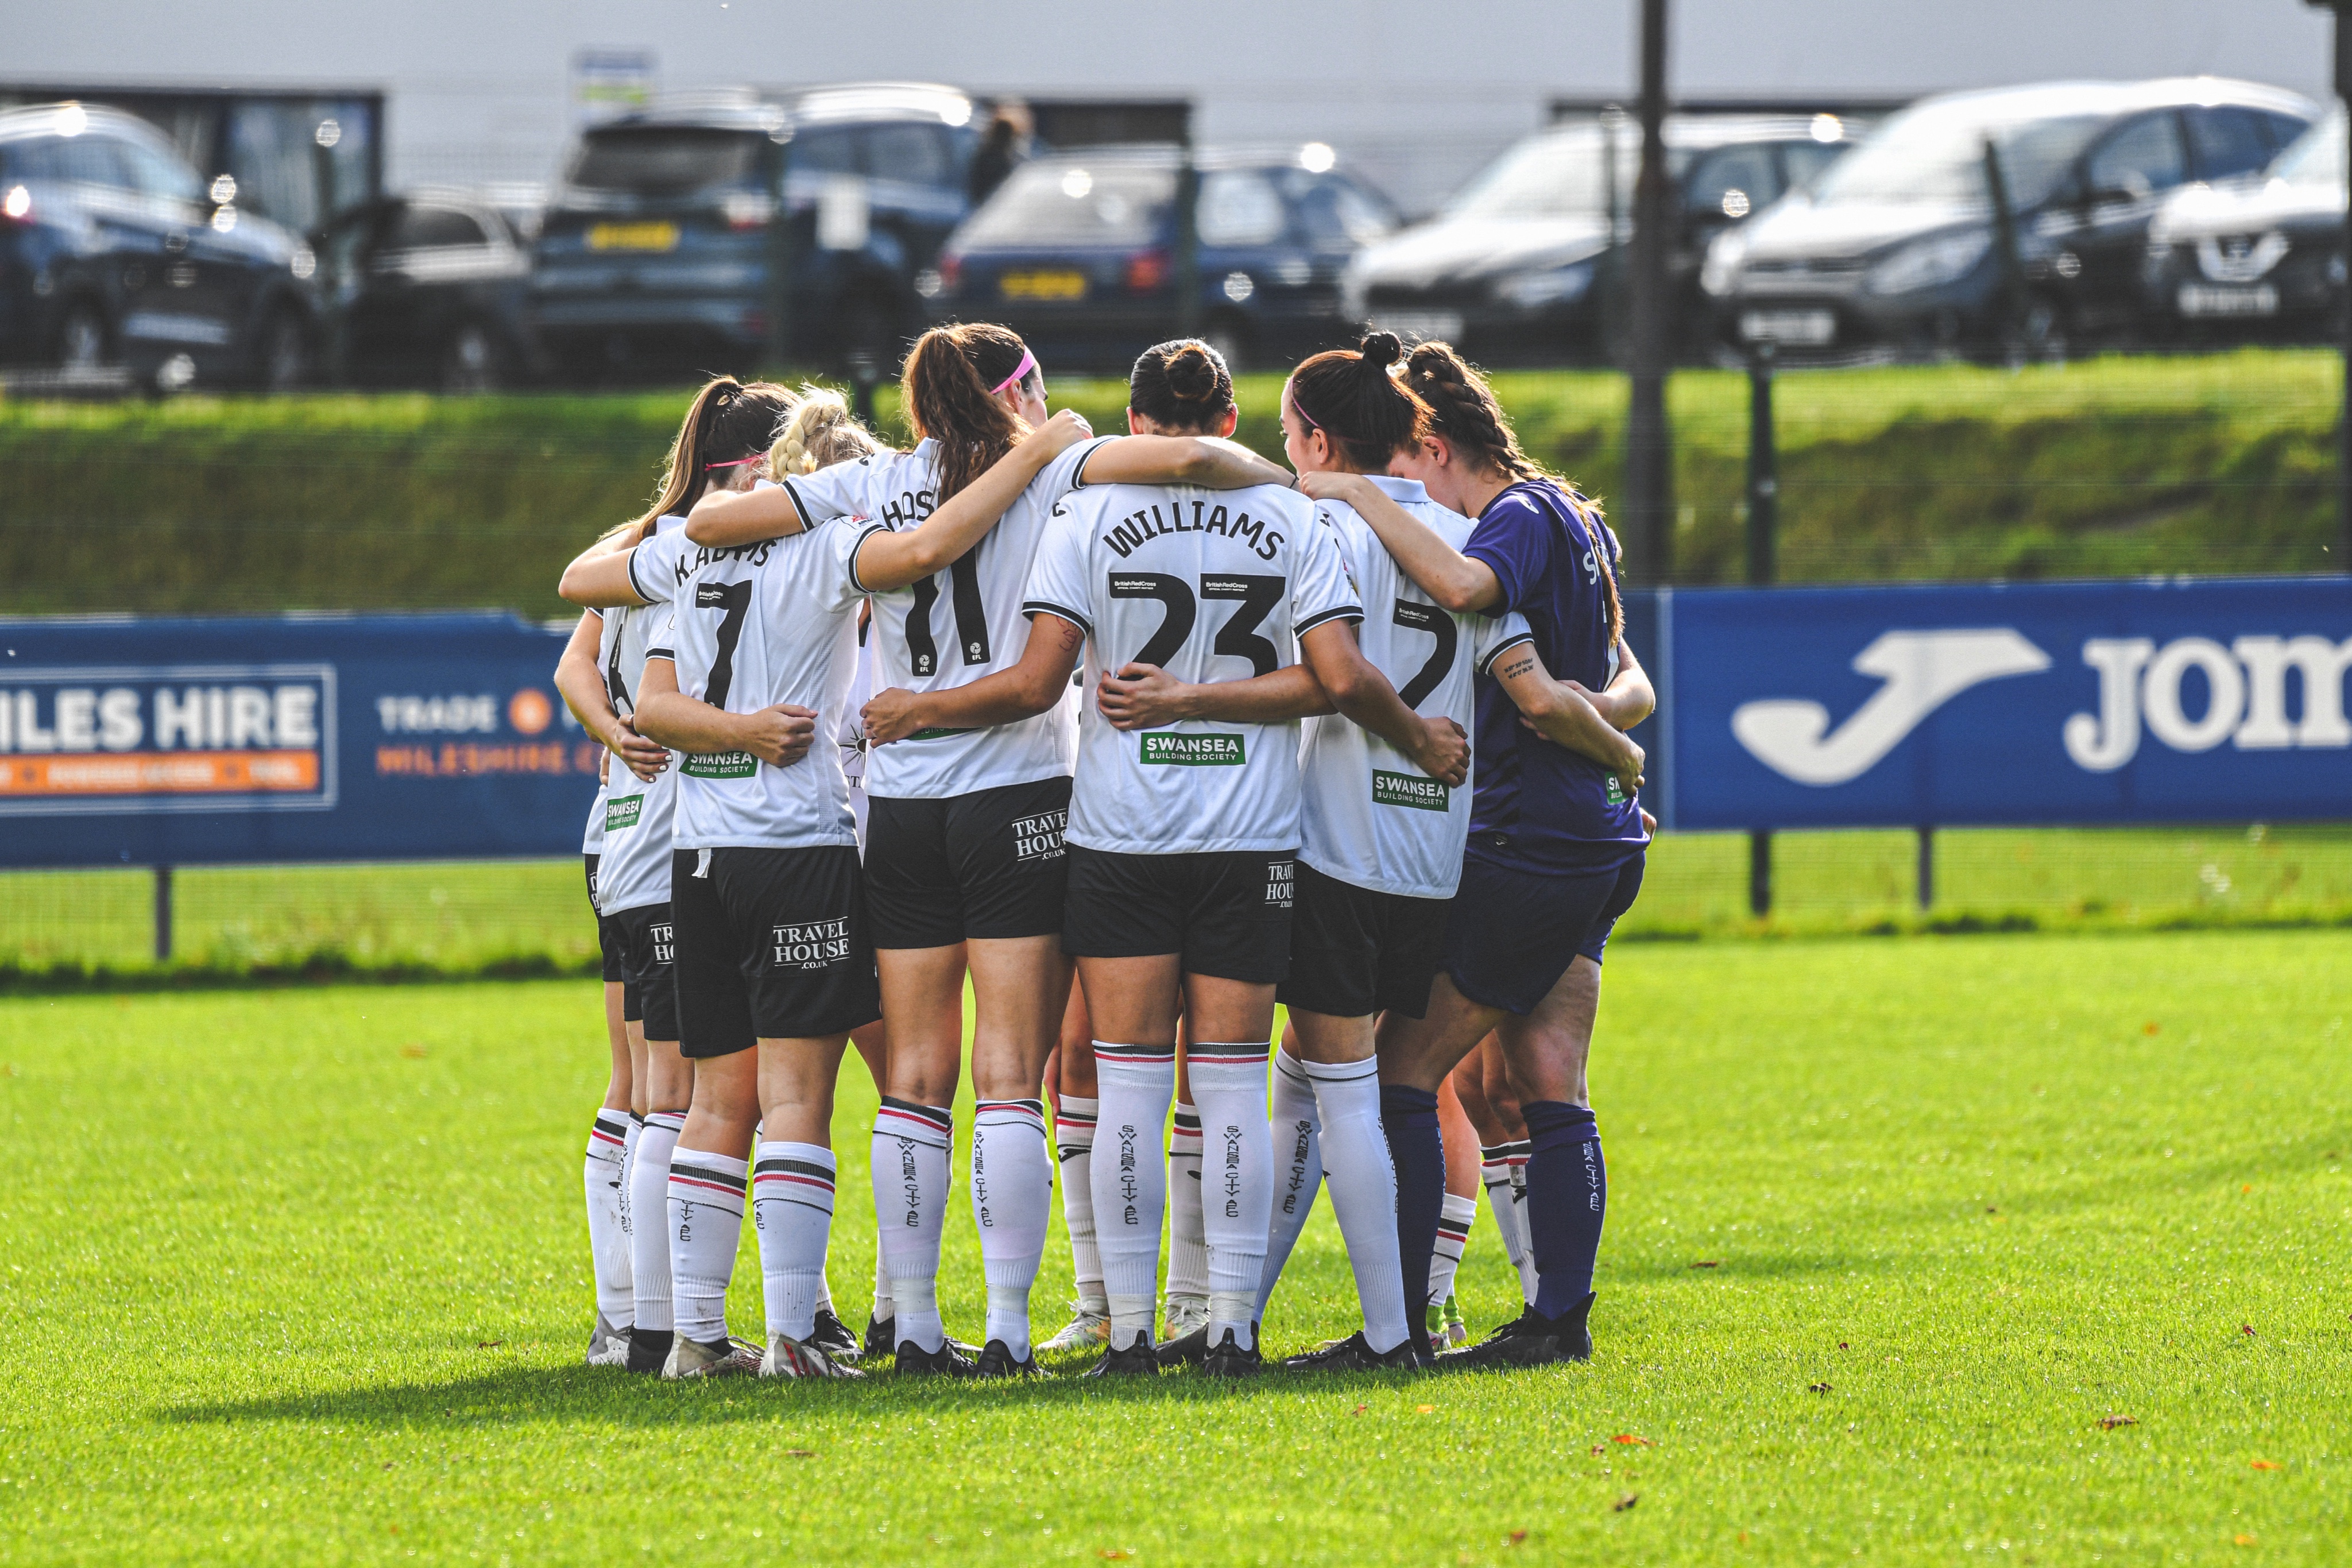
(1181, 840)
(964, 859)
(768, 895)
(631, 577)
(613, 1135)
(1555, 851)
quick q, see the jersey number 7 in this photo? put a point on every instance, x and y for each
(735, 599)
(1238, 637)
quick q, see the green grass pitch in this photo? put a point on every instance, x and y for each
(1994, 1249)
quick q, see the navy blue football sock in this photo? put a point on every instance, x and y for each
(1568, 1199)
(1408, 1117)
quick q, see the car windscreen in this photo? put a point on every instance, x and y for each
(2315, 157)
(666, 160)
(1075, 203)
(1936, 153)
(1557, 174)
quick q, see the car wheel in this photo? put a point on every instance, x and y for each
(81, 338)
(285, 354)
(470, 364)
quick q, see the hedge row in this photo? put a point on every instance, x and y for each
(2106, 467)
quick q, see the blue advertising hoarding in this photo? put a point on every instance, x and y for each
(2078, 703)
(301, 738)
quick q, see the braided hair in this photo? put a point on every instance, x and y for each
(1464, 410)
(821, 432)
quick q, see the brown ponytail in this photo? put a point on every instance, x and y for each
(1464, 410)
(1350, 395)
(727, 420)
(949, 398)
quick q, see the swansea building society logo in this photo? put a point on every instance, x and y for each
(1167, 749)
(1039, 838)
(809, 945)
(1922, 672)
(1409, 789)
(622, 814)
(719, 764)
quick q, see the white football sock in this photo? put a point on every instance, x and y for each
(649, 1198)
(608, 1241)
(1454, 1221)
(1363, 1179)
(1011, 1200)
(1134, 1084)
(1236, 1180)
(1495, 1175)
(628, 1174)
(1073, 1140)
(1187, 1250)
(1297, 1168)
(883, 1306)
(1515, 1154)
(910, 1207)
(792, 1203)
(705, 1225)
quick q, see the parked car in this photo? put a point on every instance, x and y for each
(427, 290)
(115, 252)
(659, 247)
(1898, 247)
(1077, 251)
(1527, 262)
(2261, 258)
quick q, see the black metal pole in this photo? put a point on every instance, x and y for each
(780, 265)
(1763, 521)
(1649, 454)
(1185, 274)
(1927, 866)
(2342, 9)
(162, 914)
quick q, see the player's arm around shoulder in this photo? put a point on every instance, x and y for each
(778, 734)
(887, 559)
(1008, 696)
(599, 577)
(1562, 712)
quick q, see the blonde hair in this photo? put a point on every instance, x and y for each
(821, 432)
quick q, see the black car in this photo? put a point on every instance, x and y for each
(113, 252)
(2259, 259)
(1077, 251)
(430, 288)
(1525, 262)
(1898, 249)
(662, 245)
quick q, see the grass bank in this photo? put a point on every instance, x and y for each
(2115, 466)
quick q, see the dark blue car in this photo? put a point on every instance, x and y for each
(662, 248)
(1077, 251)
(115, 255)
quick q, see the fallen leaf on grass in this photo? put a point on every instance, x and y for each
(488, 1343)
(1597, 1450)
(1622, 1503)
(1707, 1264)
(2109, 1423)
(1518, 1537)
(2268, 1465)
(1425, 1409)
(2246, 1329)
(2242, 1539)
(800, 1453)
(1817, 1388)
(1114, 1554)
(414, 1053)
(1629, 1438)
(1841, 1344)
(2149, 1028)
(1361, 1409)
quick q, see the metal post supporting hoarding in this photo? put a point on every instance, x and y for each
(1763, 522)
(1649, 454)
(2342, 9)
(162, 914)
(1927, 865)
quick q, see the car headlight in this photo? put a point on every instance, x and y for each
(1719, 274)
(1928, 263)
(303, 263)
(1554, 286)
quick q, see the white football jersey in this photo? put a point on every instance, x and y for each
(852, 737)
(1209, 585)
(955, 626)
(756, 625)
(636, 868)
(1367, 815)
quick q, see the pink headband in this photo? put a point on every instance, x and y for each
(1299, 408)
(738, 463)
(1020, 372)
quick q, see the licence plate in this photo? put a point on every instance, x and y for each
(1810, 328)
(1042, 285)
(2204, 299)
(633, 237)
(1422, 326)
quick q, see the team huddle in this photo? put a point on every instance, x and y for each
(1025, 703)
